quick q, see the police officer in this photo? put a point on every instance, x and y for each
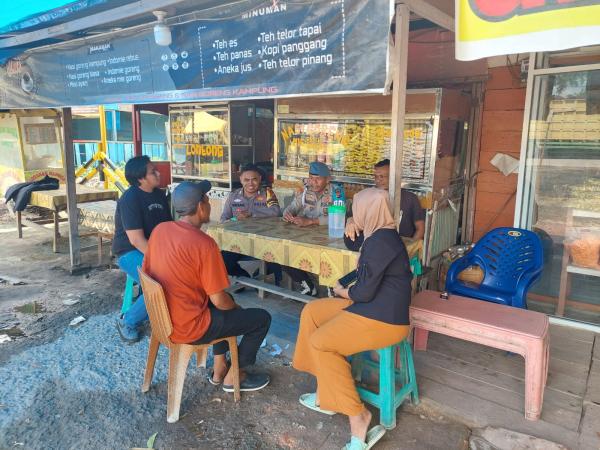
(309, 207)
(250, 201)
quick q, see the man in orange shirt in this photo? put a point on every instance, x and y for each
(189, 266)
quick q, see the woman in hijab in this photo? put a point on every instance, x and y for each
(371, 314)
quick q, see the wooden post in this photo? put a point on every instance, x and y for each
(400, 60)
(136, 125)
(72, 211)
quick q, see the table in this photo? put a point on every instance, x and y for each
(56, 201)
(310, 248)
(499, 326)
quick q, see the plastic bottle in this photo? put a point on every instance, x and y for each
(336, 220)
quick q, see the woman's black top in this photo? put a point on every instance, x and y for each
(382, 290)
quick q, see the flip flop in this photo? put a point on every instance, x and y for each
(211, 381)
(310, 401)
(373, 436)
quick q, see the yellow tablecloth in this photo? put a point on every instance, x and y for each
(57, 198)
(310, 249)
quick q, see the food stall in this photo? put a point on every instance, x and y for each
(30, 147)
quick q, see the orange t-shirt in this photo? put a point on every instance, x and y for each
(188, 264)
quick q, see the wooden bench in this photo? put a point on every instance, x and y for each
(513, 329)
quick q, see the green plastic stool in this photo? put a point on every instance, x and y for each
(128, 297)
(389, 397)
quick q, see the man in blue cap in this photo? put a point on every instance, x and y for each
(309, 207)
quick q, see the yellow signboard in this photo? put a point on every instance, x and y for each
(501, 27)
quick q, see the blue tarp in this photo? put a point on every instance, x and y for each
(33, 14)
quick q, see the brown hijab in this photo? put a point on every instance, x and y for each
(371, 211)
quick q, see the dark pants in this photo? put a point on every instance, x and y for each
(298, 275)
(232, 260)
(252, 324)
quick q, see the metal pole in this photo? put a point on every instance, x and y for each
(136, 124)
(398, 106)
(72, 211)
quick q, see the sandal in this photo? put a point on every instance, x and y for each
(211, 381)
(373, 436)
(310, 401)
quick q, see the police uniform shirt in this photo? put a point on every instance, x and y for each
(263, 204)
(311, 205)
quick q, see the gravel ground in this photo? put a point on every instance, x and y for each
(65, 387)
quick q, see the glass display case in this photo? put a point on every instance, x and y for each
(350, 143)
(212, 141)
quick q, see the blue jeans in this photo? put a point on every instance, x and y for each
(129, 263)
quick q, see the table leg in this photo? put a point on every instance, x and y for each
(99, 249)
(262, 271)
(19, 225)
(535, 378)
(56, 231)
(420, 338)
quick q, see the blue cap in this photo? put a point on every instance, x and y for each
(319, 169)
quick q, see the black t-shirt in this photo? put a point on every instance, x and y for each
(411, 213)
(136, 210)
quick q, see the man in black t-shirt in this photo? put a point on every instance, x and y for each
(141, 208)
(412, 224)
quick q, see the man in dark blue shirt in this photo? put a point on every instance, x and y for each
(141, 208)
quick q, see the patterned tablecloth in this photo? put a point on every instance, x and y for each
(57, 198)
(310, 249)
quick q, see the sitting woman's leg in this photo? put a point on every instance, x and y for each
(314, 315)
(343, 335)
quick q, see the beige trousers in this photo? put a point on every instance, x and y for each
(327, 335)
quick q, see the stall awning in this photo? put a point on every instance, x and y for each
(203, 50)
(493, 27)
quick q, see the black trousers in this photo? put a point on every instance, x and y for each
(252, 324)
(298, 275)
(234, 269)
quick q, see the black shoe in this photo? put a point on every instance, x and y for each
(252, 382)
(127, 333)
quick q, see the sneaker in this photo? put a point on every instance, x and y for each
(307, 288)
(128, 334)
(252, 382)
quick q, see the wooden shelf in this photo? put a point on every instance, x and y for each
(583, 271)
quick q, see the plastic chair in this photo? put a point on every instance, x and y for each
(128, 298)
(511, 259)
(179, 354)
(389, 399)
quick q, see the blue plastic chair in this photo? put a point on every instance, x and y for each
(511, 259)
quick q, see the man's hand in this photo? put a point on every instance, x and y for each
(304, 221)
(340, 291)
(288, 217)
(351, 229)
(242, 215)
(223, 301)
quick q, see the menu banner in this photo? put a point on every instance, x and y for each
(249, 49)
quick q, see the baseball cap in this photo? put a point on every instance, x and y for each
(319, 169)
(187, 195)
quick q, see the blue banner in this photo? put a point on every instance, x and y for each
(247, 50)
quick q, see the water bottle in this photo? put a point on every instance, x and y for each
(336, 219)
